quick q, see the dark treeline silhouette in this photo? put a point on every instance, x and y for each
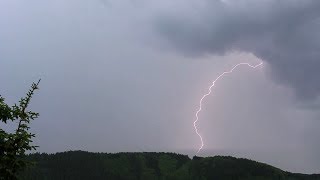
(80, 165)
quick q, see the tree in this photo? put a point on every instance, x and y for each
(13, 145)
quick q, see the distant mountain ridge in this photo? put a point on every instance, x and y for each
(79, 165)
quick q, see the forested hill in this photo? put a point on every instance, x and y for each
(80, 165)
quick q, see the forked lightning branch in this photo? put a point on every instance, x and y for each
(209, 92)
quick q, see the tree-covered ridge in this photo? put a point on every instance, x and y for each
(84, 165)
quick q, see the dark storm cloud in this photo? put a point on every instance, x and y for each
(286, 34)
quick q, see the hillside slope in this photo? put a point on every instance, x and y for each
(84, 165)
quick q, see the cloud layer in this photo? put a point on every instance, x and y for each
(286, 34)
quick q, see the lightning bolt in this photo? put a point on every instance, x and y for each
(209, 92)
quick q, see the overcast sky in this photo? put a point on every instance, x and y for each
(128, 75)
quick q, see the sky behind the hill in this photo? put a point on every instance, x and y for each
(128, 75)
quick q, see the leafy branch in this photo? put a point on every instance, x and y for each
(13, 146)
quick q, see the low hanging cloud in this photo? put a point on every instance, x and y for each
(285, 34)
